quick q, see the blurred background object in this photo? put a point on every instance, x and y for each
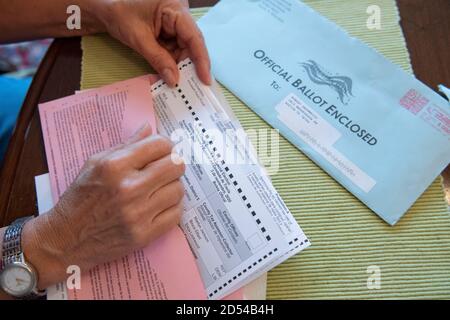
(18, 64)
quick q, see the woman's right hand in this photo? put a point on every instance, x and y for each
(122, 200)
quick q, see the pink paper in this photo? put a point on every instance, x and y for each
(164, 270)
(78, 126)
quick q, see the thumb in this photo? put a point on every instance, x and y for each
(161, 60)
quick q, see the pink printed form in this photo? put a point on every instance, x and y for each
(78, 126)
(91, 121)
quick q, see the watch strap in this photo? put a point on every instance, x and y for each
(12, 242)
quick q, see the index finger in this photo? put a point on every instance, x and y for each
(188, 32)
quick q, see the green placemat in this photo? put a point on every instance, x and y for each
(347, 238)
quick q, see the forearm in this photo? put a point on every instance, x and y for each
(25, 20)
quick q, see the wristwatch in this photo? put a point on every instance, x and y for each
(18, 278)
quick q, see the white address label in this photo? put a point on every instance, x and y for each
(320, 135)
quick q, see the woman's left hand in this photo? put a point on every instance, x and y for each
(162, 31)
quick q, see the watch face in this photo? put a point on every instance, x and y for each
(17, 279)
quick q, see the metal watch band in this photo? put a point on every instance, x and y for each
(12, 242)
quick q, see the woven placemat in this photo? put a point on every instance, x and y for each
(347, 238)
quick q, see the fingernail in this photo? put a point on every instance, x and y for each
(168, 77)
(176, 158)
(139, 132)
(209, 79)
(143, 128)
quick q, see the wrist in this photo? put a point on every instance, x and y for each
(91, 22)
(44, 249)
(99, 13)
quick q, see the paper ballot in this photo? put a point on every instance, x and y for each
(235, 226)
(236, 223)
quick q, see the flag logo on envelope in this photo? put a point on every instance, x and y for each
(341, 84)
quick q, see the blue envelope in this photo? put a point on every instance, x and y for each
(374, 128)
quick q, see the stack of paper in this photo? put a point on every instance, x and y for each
(235, 223)
(79, 126)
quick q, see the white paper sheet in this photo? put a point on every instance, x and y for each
(235, 221)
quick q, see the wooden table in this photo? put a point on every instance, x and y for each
(425, 23)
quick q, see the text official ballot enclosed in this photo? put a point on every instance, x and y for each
(374, 128)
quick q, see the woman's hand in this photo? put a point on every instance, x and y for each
(121, 201)
(162, 31)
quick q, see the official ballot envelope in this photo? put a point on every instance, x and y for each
(374, 128)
